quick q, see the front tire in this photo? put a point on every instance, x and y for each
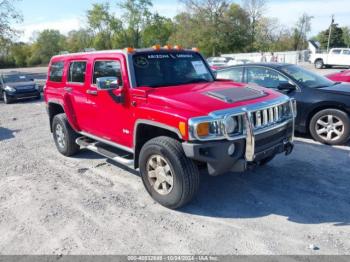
(319, 64)
(64, 136)
(168, 175)
(330, 126)
(6, 99)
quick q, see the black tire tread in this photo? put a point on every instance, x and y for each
(190, 170)
(72, 147)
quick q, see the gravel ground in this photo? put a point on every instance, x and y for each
(50, 204)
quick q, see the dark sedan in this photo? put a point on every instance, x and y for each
(323, 105)
(14, 86)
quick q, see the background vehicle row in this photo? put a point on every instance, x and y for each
(323, 105)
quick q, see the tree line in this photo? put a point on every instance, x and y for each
(214, 26)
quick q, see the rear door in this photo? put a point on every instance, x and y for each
(76, 88)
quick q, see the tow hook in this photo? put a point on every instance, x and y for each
(288, 148)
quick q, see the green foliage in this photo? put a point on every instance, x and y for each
(300, 31)
(346, 35)
(20, 53)
(215, 26)
(336, 40)
(8, 16)
(103, 26)
(157, 31)
(48, 44)
(136, 16)
(76, 41)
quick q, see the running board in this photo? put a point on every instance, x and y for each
(114, 154)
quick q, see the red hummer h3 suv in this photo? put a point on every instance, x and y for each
(161, 110)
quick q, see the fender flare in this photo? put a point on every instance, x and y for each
(155, 124)
(68, 110)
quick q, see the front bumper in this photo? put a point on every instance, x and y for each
(23, 95)
(249, 150)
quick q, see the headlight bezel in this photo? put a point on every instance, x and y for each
(10, 89)
(217, 128)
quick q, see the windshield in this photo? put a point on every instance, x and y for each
(15, 78)
(307, 78)
(169, 69)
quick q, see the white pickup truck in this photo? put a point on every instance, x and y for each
(335, 57)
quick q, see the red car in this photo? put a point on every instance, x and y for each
(343, 76)
(160, 110)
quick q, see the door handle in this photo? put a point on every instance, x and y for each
(91, 92)
(68, 89)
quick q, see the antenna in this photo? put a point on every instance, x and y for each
(330, 33)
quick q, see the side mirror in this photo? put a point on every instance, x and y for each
(288, 87)
(215, 73)
(107, 83)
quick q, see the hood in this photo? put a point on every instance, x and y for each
(341, 88)
(343, 76)
(19, 85)
(341, 73)
(203, 98)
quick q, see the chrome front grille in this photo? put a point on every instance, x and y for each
(270, 116)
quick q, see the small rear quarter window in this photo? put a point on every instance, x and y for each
(56, 72)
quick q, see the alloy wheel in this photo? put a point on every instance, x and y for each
(160, 175)
(330, 127)
(319, 64)
(60, 136)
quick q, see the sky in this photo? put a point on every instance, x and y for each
(66, 15)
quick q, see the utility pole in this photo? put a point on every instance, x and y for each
(330, 33)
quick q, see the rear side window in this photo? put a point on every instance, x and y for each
(56, 72)
(107, 69)
(77, 71)
(235, 74)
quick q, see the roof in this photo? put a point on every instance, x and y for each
(90, 53)
(272, 65)
(120, 51)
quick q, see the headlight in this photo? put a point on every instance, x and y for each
(10, 89)
(207, 128)
(36, 87)
(230, 125)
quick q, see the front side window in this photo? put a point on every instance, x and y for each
(107, 69)
(265, 77)
(235, 74)
(56, 72)
(306, 78)
(169, 69)
(336, 51)
(77, 71)
(346, 52)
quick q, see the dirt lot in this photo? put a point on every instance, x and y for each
(50, 204)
